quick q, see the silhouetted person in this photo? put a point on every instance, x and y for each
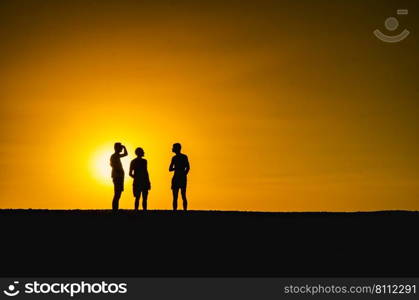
(141, 184)
(117, 173)
(180, 165)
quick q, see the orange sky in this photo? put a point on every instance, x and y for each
(280, 105)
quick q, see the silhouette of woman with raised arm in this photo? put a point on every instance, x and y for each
(141, 184)
(117, 173)
(180, 166)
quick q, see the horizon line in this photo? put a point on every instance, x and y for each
(210, 210)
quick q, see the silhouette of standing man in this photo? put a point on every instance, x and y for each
(180, 165)
(141, 184)
(117, 173)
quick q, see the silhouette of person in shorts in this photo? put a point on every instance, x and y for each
(141, 184)
(180, 166)
(117, 173)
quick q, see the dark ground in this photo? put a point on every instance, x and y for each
(206, 243)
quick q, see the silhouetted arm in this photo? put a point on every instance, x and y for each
(131, 170)
(125, 153)
(187, 167)
(148, 176)
(172, 166)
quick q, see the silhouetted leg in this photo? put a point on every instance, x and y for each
(145, 195)
(185, 201)
(137, 202)
(115, 201)
(175, 192)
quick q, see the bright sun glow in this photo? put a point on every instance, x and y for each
(100, 167)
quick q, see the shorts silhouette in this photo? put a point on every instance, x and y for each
(179, 181)
(140, 185)
(118, 183)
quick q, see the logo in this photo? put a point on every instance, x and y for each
(66, 288)
(12, 290)
(391, 24)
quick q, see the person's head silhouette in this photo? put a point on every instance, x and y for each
(176, 148)
(117, 147)
(139, 152)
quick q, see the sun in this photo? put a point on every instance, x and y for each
(100, 167)
(100, 164)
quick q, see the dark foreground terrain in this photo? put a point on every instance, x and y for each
(204, 243)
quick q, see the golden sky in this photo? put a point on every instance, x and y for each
(280, 105)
